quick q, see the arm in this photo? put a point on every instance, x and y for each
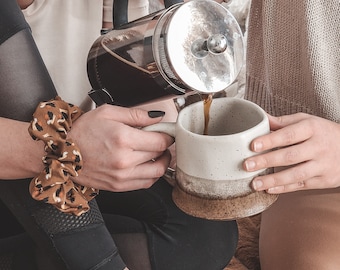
(20, 155)
(117, 155)
(24, 82)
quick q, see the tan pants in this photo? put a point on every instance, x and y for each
(302, 231)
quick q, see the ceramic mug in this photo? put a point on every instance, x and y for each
(210, 180)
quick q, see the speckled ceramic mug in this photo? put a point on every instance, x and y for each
(210, 180)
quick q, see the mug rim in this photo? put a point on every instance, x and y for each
(261, 111)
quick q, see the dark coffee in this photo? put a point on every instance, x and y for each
(207, 100)
(120, 82)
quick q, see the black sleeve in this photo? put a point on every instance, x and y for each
(24, 79)
(11, 19)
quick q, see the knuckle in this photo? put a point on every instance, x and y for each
(267, 161)
(270, 181)
(289, 136)
(162, 145)
(121, 141)
(330, 182)
(274, 181)
(121, 164)
(263, 161)
(119, 160)
(105, 109)
(299, 175)
(311, 126)
(291, 156)
(159, 171)
(136, 114)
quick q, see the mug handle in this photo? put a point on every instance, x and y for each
(120, 11)
(165, 127)
(170, 129)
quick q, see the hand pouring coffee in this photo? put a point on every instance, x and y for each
(195, 46)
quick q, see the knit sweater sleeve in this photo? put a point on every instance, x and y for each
(293, 57)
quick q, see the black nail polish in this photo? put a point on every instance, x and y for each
(155, 114)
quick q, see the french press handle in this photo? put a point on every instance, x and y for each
(120, 11)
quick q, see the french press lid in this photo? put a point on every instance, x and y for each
(198, 46)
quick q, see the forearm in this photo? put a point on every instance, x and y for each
(20, 154)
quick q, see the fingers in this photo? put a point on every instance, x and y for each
(297, 144)
(117, 186)
(149, 141)
(136, 147)
(292, 133)
(286, 120)
(118, 156)
(289, 178)
(135, 138)
(287, 146)
(278, 158)
(154, 168)
(131, 178)
(146, 174)
(303, 176)
(307, 146)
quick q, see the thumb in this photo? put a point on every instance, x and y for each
(140, 118)
(134, 117)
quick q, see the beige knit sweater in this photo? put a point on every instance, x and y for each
(293, 57)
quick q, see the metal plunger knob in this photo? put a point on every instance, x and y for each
(215, 44)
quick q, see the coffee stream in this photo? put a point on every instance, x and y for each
(207, 100)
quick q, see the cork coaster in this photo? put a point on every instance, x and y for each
(223, 209)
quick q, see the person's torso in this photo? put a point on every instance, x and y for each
(293, 57)
(64, 31)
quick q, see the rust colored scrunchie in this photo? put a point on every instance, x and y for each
(51, 122)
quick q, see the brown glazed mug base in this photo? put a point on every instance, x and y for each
(222, 209)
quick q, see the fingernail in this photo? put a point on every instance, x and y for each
(257, 184)
(250, 164)
(155, 114)
(258, 146)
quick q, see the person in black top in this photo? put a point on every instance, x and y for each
(135, 229)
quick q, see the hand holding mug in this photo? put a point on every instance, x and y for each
(305, 153)
(117, 154)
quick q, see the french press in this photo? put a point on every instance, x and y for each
(194, 46)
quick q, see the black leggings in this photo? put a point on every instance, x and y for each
(175, 239)
(142, 229)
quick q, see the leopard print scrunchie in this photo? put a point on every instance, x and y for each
(51, 122)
